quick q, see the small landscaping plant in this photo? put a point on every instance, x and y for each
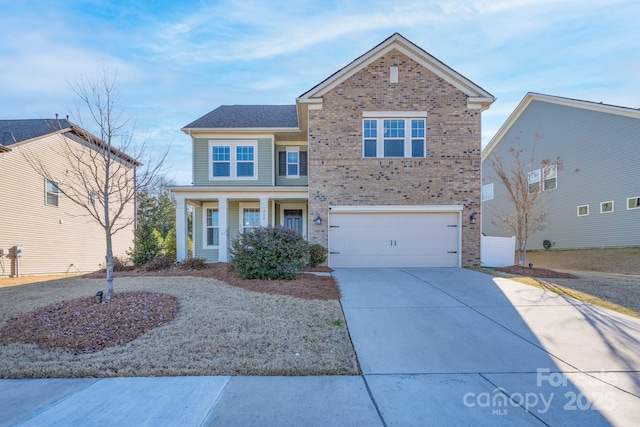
(193, 263)
(317, 254)
(269, 253)
(160, 262)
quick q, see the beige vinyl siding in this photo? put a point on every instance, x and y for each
(56, 239)
(202, 158)
(283, 180)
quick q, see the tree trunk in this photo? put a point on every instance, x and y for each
(109, 260)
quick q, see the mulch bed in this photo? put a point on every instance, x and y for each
(86, 326)
(519, 270)
(307, 286)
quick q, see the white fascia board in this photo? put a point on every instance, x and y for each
(395, 208)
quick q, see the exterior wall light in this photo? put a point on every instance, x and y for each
(472, 219)
(318, 220)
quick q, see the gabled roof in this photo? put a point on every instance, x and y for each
(478, 97)
(569, 102)
(251, 117)
(21, 131)
(14, 131)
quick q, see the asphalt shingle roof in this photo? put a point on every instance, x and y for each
(13, 131)
(248, 116)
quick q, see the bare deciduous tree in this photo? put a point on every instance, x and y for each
(527, 211)
(100, 176)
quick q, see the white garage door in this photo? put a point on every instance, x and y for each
(393, 239)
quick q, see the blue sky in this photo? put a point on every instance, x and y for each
(177, 60)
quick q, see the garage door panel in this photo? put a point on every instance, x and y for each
(416, 239)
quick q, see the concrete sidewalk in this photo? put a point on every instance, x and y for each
(436, 347)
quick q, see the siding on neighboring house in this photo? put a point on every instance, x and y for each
(202, 158)
(448, 175)
(599, 153)
(56, 239)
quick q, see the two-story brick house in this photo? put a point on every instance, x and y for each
(380, 163)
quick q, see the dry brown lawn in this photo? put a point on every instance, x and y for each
(606, 277)
(219, 329)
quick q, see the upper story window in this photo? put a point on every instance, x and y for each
(543, 179)
(550, 177)
(51, 193)
(292, 163)
(393, 137)
(487, 192)
(233, 159)
(633, 202)
(534, 181)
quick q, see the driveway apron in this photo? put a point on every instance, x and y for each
(459, 347)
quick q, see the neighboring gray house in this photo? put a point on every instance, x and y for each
(593, 195)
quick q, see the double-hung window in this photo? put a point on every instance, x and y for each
(393, 137)
(233, 159)
(51, 193)
(212, 228)
(293, 163)
(550, 178)
(534, 181)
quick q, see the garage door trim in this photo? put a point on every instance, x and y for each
(406, 209)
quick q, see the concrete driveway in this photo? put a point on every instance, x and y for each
(458, 347)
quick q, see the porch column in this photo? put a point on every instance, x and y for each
(264, 211)
(181, 227)
(223, 222)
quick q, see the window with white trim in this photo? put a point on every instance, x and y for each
(250, 219)
(393, 137)
(633, 203)
(550, 178)
(487, 192)
(534, 181)
(583, 210)
(233, 159)
(606, 207)
(51, 192)
(212, 227)
(293, 162)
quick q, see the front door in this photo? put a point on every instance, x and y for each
(293, 219)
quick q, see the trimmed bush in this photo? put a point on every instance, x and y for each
(193, 263)
(317, 254)
(160, 262)
(269, 253)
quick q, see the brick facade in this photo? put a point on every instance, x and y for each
(449, 175)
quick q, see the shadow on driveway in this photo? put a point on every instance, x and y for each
(456, 347)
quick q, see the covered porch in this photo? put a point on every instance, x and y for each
(220, 214)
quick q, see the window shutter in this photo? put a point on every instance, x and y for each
(282, 163)
(303, 163)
